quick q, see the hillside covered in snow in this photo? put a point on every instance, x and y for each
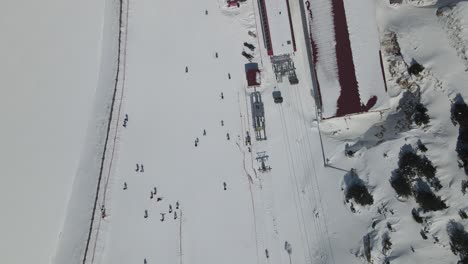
(225, 131)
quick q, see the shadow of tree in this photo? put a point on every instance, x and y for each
(395, 123)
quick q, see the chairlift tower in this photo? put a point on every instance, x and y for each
(258, 115)
(262, 158)
(283, 65)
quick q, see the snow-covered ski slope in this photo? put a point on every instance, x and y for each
(171, 87)
(298, 203)
(168, 108)
(49, 76)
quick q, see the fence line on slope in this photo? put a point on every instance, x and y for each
(117, 122)
(106, 142)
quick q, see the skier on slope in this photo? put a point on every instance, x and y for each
(137, 167)
(103, 212)
(177, 205)
(142, 169)
(170, 209)
(222, 95)
(162, 217)
(225, 186)
(125, 186)
(204, 132)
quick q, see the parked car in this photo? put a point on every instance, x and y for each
(250, 46)
(278, 99)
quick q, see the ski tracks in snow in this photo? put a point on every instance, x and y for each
(269, 245)
(245, 125)
(293, 180)
(303, 177)
(310, 162)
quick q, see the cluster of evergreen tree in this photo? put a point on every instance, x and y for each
(414, 177)
(420, 116)
(415, 68)
(458, 240)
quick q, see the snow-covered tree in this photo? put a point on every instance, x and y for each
(356, 189)
(458, 240)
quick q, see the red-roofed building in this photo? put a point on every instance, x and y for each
(252, 74)
(232, 3)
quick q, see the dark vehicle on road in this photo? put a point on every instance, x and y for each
(277, 97)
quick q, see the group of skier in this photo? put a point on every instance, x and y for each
(140, 167)
(153, 194)
(197, 140)
(171, 211)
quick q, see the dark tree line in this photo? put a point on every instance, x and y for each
(415, 176)
(458, 240)
(459, 116)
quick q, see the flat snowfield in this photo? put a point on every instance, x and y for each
(49, 70)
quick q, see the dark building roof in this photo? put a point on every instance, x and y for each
(252, 74)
